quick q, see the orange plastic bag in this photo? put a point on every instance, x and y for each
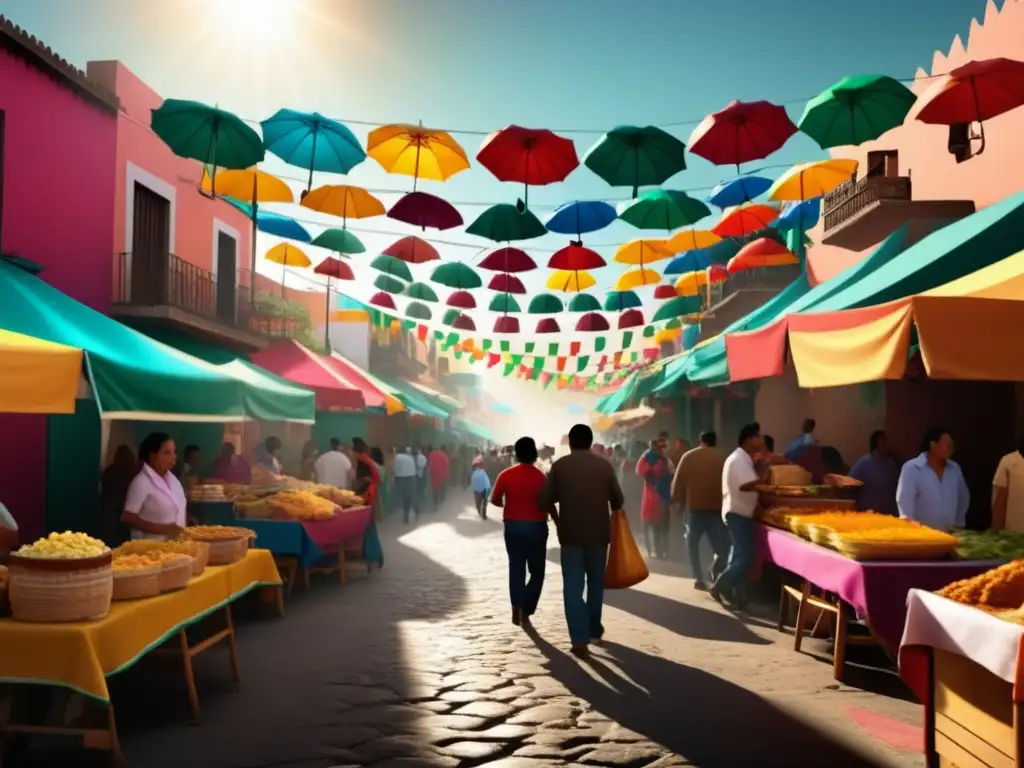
(626, 565)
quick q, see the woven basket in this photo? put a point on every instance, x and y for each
(60, 590)
(228, 551)
(135, 585)
(202, 559)
(893, 550)
(175, 574)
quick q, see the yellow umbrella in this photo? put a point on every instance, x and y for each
(691, 240)
(570, 282)
(37, 376)
(343, 200)
(287, 255)
(640, 252)
(413, 150)
(802, 182)
(636, 278)
(667, 335)
(690, 283)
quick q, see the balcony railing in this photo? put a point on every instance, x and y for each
(849, 199)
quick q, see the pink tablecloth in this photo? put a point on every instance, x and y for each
(876, 590)
(329, 535)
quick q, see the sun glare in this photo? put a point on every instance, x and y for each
(255, 21)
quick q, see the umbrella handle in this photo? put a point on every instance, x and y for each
(312, 160)
(327, 317)
(211, 154)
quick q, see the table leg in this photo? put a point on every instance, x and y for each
(783, 609)
(801, 616)
(342, 570)
(190, 680)
(305, 577)
(839, 655)
(236, 674)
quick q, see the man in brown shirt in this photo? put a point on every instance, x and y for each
(586, 490)
(697, 486)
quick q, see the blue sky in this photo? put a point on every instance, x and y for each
(582, 66)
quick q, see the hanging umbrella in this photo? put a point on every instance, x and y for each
(548, 325)
(529, 156)
(636, 278)
(631, 318)
(345, 201)
(417, 311)
(573, 257)
(809, 180)
(716, 273)
(338, 270)
(310, 140)
(544, 304)
(504, 302)
(691, 283)
(737, 191)
(507, 284)
(741, 132)
(691, 240)
(687, 261)
(664, 291)
(271, 223)
(412, 250)
(420, 291)
(763, 252)
(803, 215)
(462, 300)
(631, 156)
(383, 299)
(412, 150)
(457, 275)
(505, 223)
(508, 260)
(592, 322)
(570, 282)
(745, 219)
(425, 210)
(663, 209)
(213, 136)
(619, 301)
(855, 110)
(287, 255)
(388, 284)
(640, 252)
(389, 265)
(680, 306)
(464, 323)
(580, 217)
(583, 302)
(339, 241)
(506, 324)
(449, 316)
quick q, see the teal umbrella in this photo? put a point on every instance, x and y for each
(420, 291)
(855, 110)
(504, 302)
(417, 311)
(584, 302)
(456, 275)
(544, 304)
(339, 241)
(212, 136)
(388, 284)
(618, 301)
(391, 266)
(677, 307)
(504, 223)
(666, 209)
(631, 156)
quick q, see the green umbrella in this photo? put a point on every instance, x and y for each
(617, 301)
(677, 307)
(584, 302)
(504, 223)
(855, 110)
(545, 304)
(420, 291)
(389, 284)
(456, 275)
(339, 241)
(504, 302)
(450, 316)
(389, 265)
(210, 135)
(631, 156)
(417, 310)
(663, 209)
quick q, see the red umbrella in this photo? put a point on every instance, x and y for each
(506, 324)
(717, 273)
(665, 291)
(592, 321)
(762, 252)
(528, 155)
(548, 325)
(383, 299)
(745, 219)
(339, 270)
(413, 250)
(425, 210)
(508, 260)
(631, 318)
(462, 300)
(507, 283)
(464, 323)
(743, 131)
(575, 257)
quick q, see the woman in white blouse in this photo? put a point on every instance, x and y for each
(155, 505)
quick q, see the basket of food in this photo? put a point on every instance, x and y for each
(228, 544)
(63, 577)
(862, 549)
(135, 577)
(197, 550)
(175, 572)
(880, 537)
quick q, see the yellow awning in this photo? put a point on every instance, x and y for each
(37, 376)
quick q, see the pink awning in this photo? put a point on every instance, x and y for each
(299, 365)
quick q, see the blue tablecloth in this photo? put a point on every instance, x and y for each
(213, 512)
(286, 537)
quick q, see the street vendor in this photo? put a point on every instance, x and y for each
(155, 504)
(931, 488)
(1008, 491)
(270, 456)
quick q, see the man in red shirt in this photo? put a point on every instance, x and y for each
(518, 491)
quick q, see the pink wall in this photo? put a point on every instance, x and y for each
(922, 148)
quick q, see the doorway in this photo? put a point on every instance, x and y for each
(150, 259)
(227, 277)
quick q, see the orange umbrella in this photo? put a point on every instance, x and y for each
(763, 252)
(742, 220)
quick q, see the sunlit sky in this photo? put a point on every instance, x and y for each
(471, 66)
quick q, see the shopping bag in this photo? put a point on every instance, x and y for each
(373, 552)
(626, 565)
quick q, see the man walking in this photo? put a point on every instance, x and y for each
(405, 482)
(333, 467)
(697, 488)
(584, 487)
(421, 477)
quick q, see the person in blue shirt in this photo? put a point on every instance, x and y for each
(931, 488)
(796, 446)
(481, 485)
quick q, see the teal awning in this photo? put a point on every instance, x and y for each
(473, 429)
(416, 401)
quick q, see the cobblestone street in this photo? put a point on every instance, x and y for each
(419, 665)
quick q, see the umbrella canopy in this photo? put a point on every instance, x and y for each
(449, 316)
(763, 252)
(570, 282)
(528, 155)
(310, 140)
(389, 265)
(975, 92)
(548, 325)
(666, 209)
(457, 275)
(389, 284)
(412, 150)
(250, 184)
(618, 301)
(691, 283)
(425, 210)
(580, 216)
(417, 311)
(737, 191)
(636, 278)
(687, 261)
(741, 132)
(339, 241)
(802, 215)
(508, 260)
(343, 200)
(592, 322)
(631, 318)
(745, 219)
(810, 180)
(413, 250)
(507, 283)
(574, 256)
(504, 302)
(855, 110)
(334, 268)
(505, 223)
(272, 223)
(287, 255)
(680, 306)
(544, 304)
(420, 291)
(631, 156)
(462, 300)
(506, 324)
(583, 302)
(383, 299)
(664, 291)
(691, 240)
(716, 273)
(37, 376)
(465, 323)
(640, 252)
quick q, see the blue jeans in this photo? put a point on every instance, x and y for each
(699, 523)
(583, 567)
(527, 546)
(741, 557)
(405, 488)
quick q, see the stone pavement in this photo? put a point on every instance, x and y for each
(419, 665)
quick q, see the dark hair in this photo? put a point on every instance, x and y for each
(526, 450)
(709, 438)
(808, 426)
(229, 449)
(663, 435)
(875, 439)
(335, 443)
(151, 444)
(191, 449)
(377, 455)
(1020, 444)
(581, 437)
(832, 459)
(359, 445)
(272, 444)
(933, 435)
(769, 443)
(748, 431)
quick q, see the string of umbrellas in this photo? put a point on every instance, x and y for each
(756, 211)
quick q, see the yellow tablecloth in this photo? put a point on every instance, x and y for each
(81, 655)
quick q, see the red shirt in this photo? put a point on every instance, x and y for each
(518, 490)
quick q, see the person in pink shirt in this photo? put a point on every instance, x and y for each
(439, 468)
(230, 467)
